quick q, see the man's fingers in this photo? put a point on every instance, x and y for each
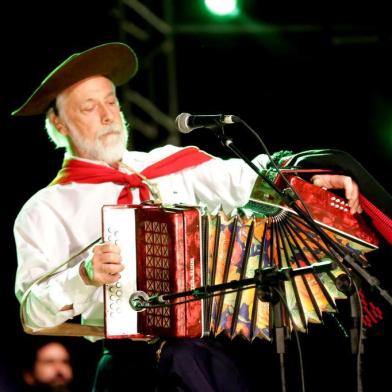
(348, 188)
(112, 269)
(354, 205)
(317, 180)
(108, 258)
(107, 273)
(352, 195)
(107, 247)
(336, 181)
(106, 263)
(110, 279)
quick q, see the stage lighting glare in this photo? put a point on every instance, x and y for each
(222, 7)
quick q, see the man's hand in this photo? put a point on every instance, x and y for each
(104, 267)
(335, 181)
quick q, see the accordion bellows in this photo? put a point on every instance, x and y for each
(169, 250)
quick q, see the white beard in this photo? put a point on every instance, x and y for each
(106, 148)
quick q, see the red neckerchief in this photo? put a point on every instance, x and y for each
(75, 170)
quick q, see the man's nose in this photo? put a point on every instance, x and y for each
(106, 115)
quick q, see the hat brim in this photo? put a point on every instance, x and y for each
(115, 60)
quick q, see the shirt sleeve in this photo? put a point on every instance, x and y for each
(223, 183)
(41, 242)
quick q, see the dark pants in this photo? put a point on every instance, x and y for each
(191, 365)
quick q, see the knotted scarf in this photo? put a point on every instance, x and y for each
(75, 170)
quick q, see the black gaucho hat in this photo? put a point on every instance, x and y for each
(115, 60)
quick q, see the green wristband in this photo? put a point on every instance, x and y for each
(88, 267)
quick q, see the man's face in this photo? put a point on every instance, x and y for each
(52, 366)
(91, 117)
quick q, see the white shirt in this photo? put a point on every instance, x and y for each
(60, 220)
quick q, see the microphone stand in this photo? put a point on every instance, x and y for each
(264, 279)
(356, 336)
(267, 281)
(346, 284)
(290, 200)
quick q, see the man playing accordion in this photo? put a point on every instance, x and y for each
(83, 116)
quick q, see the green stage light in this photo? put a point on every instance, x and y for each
(222, 7)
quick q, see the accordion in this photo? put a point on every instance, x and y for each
(178, 249)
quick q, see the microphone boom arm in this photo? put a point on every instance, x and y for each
(264, 279)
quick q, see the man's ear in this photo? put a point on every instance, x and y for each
(58, 123)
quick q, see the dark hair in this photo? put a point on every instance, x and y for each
(33, 344)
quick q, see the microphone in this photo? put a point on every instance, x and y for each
(186, 122)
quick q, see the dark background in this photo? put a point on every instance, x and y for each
(315, 78)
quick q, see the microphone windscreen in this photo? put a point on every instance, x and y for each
(182, 123)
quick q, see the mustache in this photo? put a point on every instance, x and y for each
(110, 129)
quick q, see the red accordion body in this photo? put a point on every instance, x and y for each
(161, 252)
(168, 248)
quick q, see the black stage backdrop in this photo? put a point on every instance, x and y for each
(312, 79)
